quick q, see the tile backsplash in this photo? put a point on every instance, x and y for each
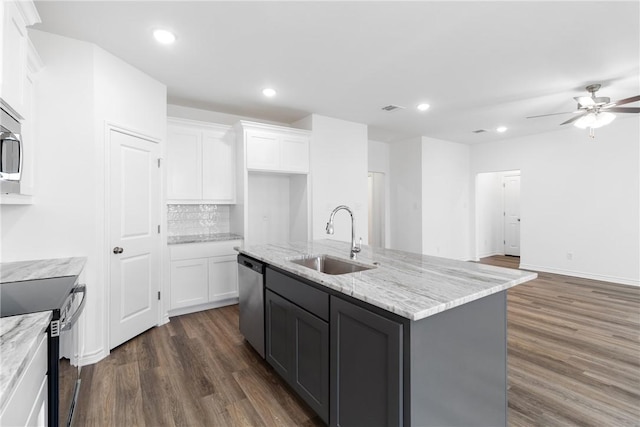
(193, 220)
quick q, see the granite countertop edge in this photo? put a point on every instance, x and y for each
(41, 269)
(19, 338)
(219, 237)
(401, 283)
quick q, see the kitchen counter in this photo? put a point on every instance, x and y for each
(217, 237)
(411, 285)
(41, 269)
(19, 336)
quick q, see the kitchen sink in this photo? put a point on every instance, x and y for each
(330, 265)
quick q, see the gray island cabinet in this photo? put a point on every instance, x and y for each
(417, 341)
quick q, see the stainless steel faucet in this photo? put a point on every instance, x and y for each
(354, 248)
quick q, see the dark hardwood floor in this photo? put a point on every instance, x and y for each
(573, 348)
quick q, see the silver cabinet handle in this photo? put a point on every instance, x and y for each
(118, 250)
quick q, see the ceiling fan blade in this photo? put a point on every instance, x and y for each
(624, 109)
(585, 101)
(623, 101)
(573, 119)
(552, 114)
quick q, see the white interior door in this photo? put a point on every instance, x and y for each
(134, 234)
(511, 185)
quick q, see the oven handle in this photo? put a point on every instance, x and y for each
(69, 323)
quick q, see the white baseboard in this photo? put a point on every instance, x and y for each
(488, 254)
(603, 278)
(201, 307)
(93, 357)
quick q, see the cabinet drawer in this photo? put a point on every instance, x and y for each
(25, 396)
(203, 250)
(311, 299)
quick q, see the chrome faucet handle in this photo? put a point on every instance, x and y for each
(358, 247)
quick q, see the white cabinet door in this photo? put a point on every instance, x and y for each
(294, 154)
(223, 278)
(14, 56)
(219, 168)
(263, 151)
(184, 163)
(189, 282)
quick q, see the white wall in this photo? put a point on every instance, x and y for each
(379, 161)
(406, 195)
(338, 174)
(212, 116)
(577, 195)
(445, 199)
(73, 99)
(270, 208)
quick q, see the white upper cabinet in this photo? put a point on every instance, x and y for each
(201, 159)
(275, 148)
(16, 17)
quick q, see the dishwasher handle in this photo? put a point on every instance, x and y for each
(251, 264)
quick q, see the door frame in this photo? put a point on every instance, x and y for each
(108, 128)
(476, 215)
(505, 176)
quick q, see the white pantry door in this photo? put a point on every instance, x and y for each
(511, 185)
(135, 242)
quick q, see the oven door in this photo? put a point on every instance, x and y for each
(70, 355)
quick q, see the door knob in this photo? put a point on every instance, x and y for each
(118, 250)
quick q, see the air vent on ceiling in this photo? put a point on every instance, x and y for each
(479, 131)
(392, 107)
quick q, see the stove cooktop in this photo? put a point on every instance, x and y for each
(32, 296)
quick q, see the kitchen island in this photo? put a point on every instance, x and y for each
(415, 340)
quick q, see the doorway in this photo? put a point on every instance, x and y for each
(134, 218)
(376, 183)
(498, 214)
(511, 214)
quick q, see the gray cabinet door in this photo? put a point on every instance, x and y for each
(311, 360)
(366, 367)
(297, 347)
(278, 333)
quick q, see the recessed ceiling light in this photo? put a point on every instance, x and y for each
(501, 129)
(268, 92)
(423, 107)
(164, 36)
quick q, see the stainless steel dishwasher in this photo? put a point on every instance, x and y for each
(251, 296)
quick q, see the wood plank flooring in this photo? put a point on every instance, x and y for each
(574, 360)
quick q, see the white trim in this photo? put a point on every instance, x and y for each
(28, 12)
(209, 126)
(245, 125)
(601, 277)
(494, 253)
(93, 357)
(201, 307)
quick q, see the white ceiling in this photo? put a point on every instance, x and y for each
(479, 64)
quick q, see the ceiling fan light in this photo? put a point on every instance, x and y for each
(603, 118)
(595, 120)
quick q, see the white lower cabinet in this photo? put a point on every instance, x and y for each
(27, 405)
(203, 276)
(189, 282)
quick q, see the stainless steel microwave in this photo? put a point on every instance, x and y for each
(11, 152)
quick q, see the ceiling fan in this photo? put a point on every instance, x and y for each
(596, 111)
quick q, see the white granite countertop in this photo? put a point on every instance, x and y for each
(41, 269)
(216, 237)
(411, 285)
(19, 336)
